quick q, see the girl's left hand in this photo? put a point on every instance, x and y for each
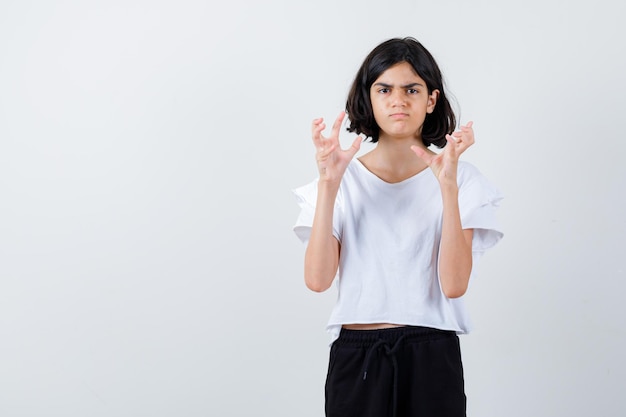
(444, 164)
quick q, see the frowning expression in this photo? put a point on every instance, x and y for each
(400, 102)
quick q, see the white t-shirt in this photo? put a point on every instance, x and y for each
(390, 235)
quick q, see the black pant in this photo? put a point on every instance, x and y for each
(400, 372)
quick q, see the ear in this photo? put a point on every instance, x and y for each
(432, 101)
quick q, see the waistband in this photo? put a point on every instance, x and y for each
(367, 338)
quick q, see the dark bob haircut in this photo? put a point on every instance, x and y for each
(389, 53)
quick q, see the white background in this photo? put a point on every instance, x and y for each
(147, 153)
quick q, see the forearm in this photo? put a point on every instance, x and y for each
(455, 256)
(321, 259)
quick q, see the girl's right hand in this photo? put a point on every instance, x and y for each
(332, 161)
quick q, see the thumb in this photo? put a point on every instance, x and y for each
(354, 148)
(450, 149)
(422, 154)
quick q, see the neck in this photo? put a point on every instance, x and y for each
(398, 150)
(393, 160)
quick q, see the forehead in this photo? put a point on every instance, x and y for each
(400, 73)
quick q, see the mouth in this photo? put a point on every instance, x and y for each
(399, 115)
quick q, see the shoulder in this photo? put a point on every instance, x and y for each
(467, 168)
(467, 172)
(306, 195)
(472, 182)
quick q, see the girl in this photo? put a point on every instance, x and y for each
(400, 228)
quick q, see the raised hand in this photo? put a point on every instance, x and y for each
(444, 165)
(332, 161)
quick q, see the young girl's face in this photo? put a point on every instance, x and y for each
(400, 102)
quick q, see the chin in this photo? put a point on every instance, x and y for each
(402, 134)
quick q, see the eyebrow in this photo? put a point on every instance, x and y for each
(402, 86)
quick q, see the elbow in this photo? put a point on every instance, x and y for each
(454, 281)
(318, 278)
(316, 282)
(455, 288)
(455, 291)
(316, 285)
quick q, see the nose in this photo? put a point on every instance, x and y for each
(397, 98)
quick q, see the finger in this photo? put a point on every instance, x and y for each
(463, 146)
(316, 123)
(317, 135)
(324, 153)
(317, 131)
(451, 147)
(422, 154)
(329, 149)
(337, 124)
(356, 145)
(467, 127)
(468, 134)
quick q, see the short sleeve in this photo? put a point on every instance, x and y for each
(307, 198)
(479, 200)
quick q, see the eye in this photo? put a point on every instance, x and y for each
(412, 91)
(383, 90)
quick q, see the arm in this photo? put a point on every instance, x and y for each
(455, 253)
(321, 258)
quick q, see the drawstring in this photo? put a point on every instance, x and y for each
(391, 353)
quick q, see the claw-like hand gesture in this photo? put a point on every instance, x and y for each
(332, 161)
(444, 164)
